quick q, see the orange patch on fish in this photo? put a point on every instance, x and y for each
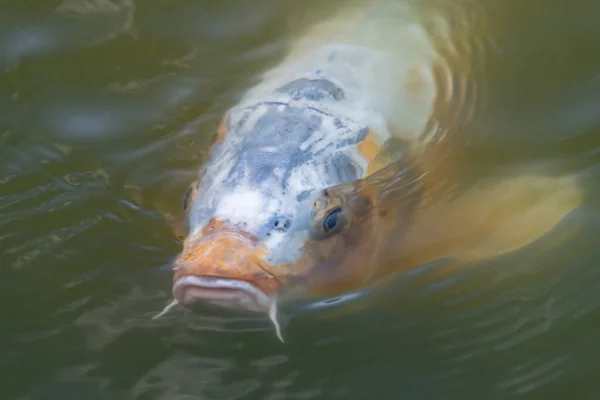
(370, 148)
(223, 252)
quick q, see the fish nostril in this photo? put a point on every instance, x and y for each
(281, 224)
(303, 195)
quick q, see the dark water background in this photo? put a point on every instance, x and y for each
(106, 107)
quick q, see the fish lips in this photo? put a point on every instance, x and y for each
(223, 292)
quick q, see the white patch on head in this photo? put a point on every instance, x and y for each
(252, 211)
(242, 206)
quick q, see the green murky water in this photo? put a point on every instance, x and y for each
(106, 109)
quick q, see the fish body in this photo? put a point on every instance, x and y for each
(318, 120)
(280, 208)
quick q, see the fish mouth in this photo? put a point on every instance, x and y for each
(225, 292)
(227, 268)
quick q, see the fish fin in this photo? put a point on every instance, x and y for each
(492, 220)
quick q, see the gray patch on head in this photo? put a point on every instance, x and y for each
(284, 153)
(342, 167)
(262, 173)
(281, 140)
(313, 90)
(283, 130)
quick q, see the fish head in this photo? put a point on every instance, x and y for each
(323, 247)
(278, 214)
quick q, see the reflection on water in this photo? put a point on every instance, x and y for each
(107, 108)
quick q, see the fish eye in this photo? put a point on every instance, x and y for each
(332, 220)
(190, 195)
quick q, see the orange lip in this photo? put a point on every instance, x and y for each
(224, 264)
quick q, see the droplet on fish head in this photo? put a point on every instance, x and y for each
(168, 308)
(273, 317)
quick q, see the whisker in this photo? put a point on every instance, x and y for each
(169, 307)
(273, 317)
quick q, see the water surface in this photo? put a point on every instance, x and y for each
(107, 107)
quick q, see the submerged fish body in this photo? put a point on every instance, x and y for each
(277, 209)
